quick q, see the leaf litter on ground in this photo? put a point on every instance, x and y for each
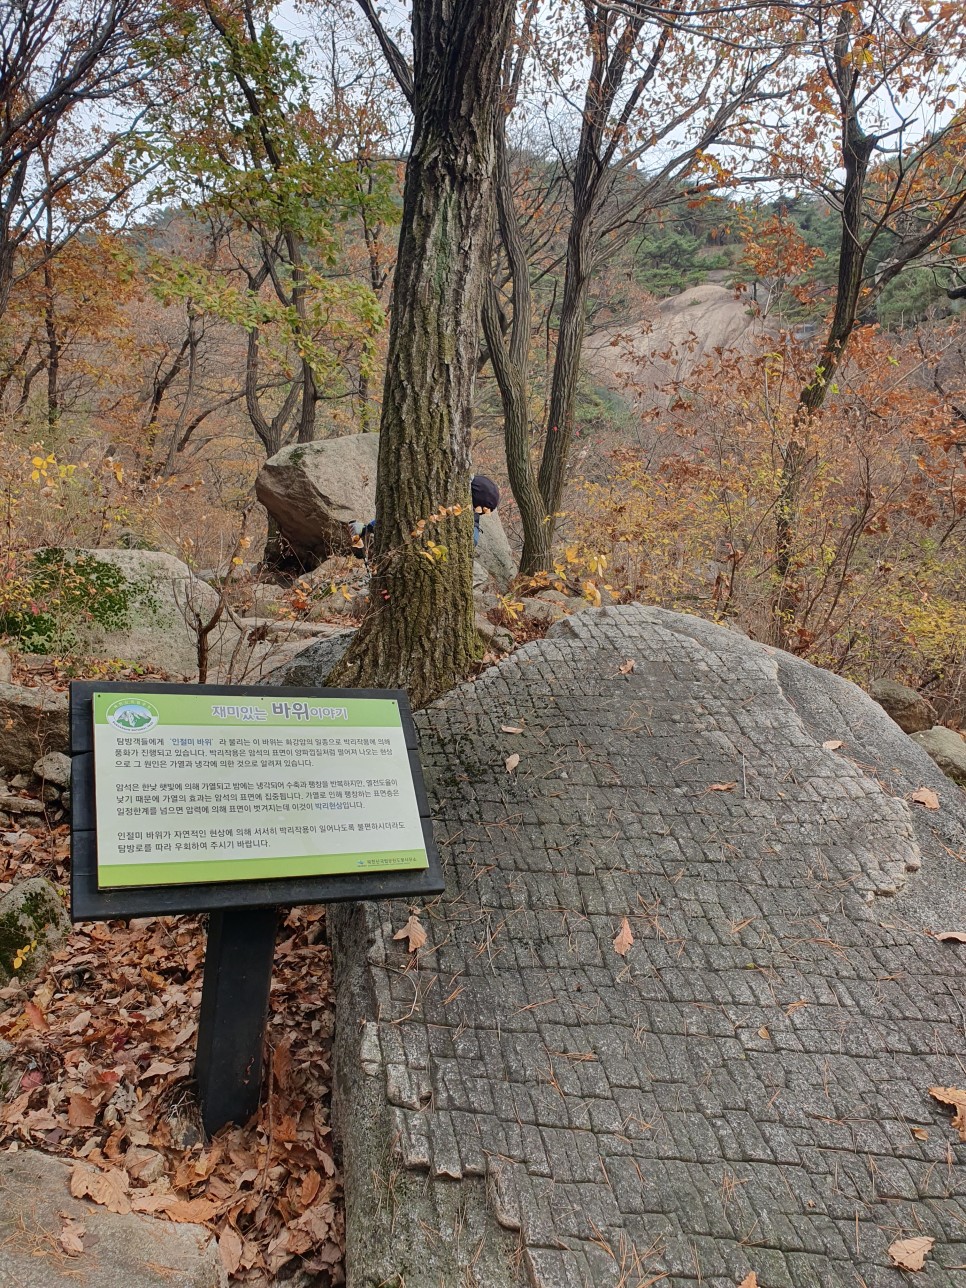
(102, 1073)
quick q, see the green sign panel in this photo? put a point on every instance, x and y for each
(205, 787)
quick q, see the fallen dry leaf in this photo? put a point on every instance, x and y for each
(36, 1017)
(920, 1133)
(833, 744)
(790, 1010)
(952, 936)
(230, 1249)
(750, 1281)
(763, 1032)
(81, 1112)
(624, 938)
(927, 797)
(175, 1208)
(511, 729)
(625, 668)
(79, 1023)
(512, 762)
(109, 1188)
(72, 1237)
(722, 787)
(956, 1098)
(414, 932)
(910, 1254)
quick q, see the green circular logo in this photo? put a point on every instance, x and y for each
(132, 716)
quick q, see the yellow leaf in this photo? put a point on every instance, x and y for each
(414, 932)
(624, 938)
(910, 1254)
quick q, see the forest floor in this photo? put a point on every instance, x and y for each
(101, 1071)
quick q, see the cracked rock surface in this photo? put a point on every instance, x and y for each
(519, 1104)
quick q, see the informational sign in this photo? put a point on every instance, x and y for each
(206, 787)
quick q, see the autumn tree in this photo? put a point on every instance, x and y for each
(420, 633)
(262, 165)
(69, 114)
(659, 87)
(896, 179)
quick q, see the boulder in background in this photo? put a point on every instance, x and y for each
(314, 491)
(909, 709)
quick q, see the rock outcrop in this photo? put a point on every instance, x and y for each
(678, 1013)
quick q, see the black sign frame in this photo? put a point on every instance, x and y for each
(89, 903)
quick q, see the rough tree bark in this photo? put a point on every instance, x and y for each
(419, 634)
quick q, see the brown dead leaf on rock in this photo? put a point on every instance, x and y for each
(512, 762)
(722, 787)
(920, 1133)
(952, 936)
(910, 1254)
(955, 1097)
(72, 1237)
(413, 931)
(511, 729)
(624, 938)
(750, 1281)
(627, 667)
(926, 797)
(109, 1188)
(832, 744)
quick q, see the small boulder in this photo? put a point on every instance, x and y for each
(21, 804)
(310, 666)
(54, 769)
(947, 749)
(33, 722)
(120, 1250)
(909, 709)
(32, 913)
(314, 491)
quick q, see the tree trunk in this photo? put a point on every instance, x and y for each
(857, 150)
(419, 633)
(510, 362)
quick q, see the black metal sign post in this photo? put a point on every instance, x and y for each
(234, 1012)
(243, 912)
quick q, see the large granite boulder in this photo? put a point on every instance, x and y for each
(314, 491)
(909, 709)
(33, 722)
(136, 605)
(677, 1015)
